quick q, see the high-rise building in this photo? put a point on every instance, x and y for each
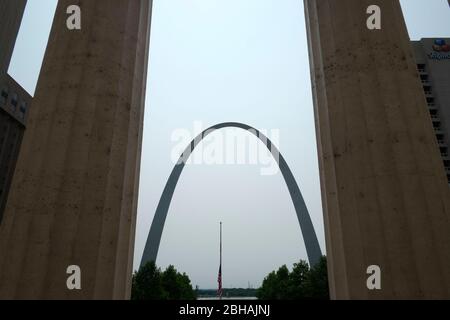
(14, 100)
(433, 61)
(11, 13)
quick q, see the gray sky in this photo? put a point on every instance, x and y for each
(215, 61)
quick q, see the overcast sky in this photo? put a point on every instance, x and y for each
(214, 61)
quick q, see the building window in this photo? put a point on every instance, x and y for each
(4, 96)
(424, 78)
(23, 109)
(434, 115)
(14, 102)
(437, 125)
(440, 138)
(421, 67)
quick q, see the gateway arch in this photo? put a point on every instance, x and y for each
(309, 235)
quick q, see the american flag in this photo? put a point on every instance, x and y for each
(219, 281)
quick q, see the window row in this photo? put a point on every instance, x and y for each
(13, 104)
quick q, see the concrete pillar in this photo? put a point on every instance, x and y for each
(385, 196)
(11, 13)
(74, 195)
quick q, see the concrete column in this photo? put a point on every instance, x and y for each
(11, 13)
(74, 195)
(385, 196)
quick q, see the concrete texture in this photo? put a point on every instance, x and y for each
(385, 194)
(74, 194)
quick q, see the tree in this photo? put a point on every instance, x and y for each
(301, 283)
(269, 288)
(149, 283)
(297, 280)
(186, 287)
(316, 284)
(170, 283)
(282, 285)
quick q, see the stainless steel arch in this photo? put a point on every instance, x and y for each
(307, 228)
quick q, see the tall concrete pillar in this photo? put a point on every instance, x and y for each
(385, 196)
(74, 195)
(11, 13)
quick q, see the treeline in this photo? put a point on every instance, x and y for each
(300, 283)
(303, 282)
(150, 283)
(235, 292)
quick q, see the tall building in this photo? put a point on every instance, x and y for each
(385, 195)
(11, 13)
(433, 62)
(14, 100)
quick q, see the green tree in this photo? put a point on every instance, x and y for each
(187, 293)
(297, 280)
(275, 285)
(316, 283)
(171, 283)
(149, 283)
(301, 283)
(268, 290)
(282, 286)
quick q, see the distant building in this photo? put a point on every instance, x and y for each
(433, 62)
(14, 100)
